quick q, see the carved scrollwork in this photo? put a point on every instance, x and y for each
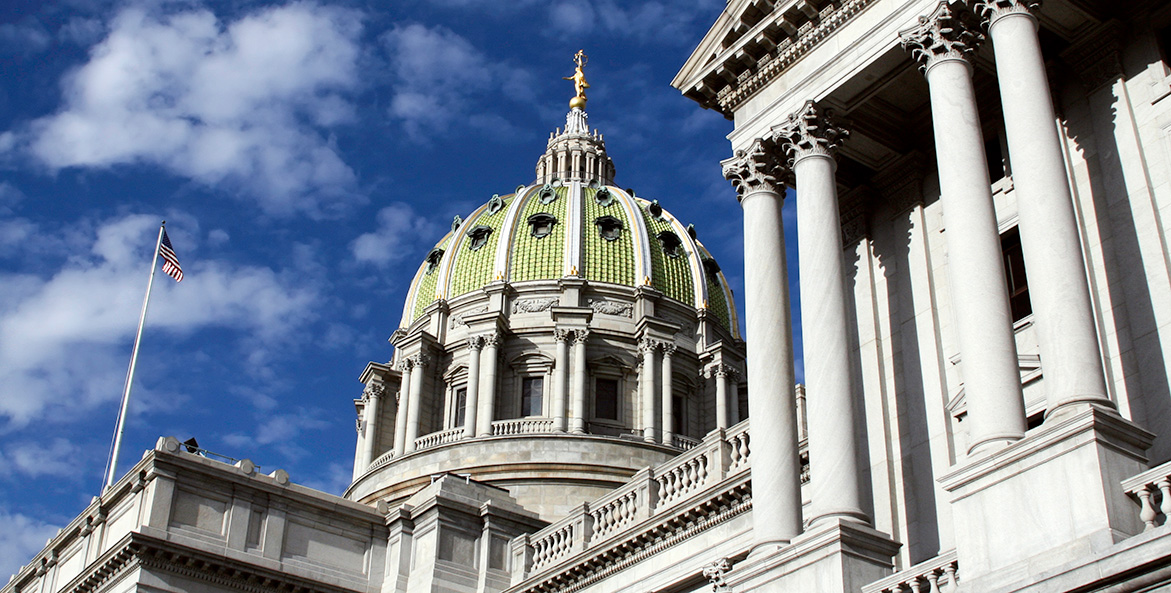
(990, 10)
(755, 169)
(492, 339)
(475, 342)
(460, 319)
(373, 390)
(616, 308)
(562, 335)
(533, 305)
(945, 34)
(714, 573)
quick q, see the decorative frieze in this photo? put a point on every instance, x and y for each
(533, 305)
(615, 308)
(945, 34)
(461, 318)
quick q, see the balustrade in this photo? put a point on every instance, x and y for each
(681, 442)
(522, 426)
(439, 438)
(720, 455)
(936, 575)
(1152, 490)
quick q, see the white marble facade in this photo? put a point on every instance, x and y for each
(983, 193)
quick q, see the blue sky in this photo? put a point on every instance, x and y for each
(306, 156)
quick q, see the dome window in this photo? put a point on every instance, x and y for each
(479, 237)
(672, 246)
(711, 267)
(609, 228)
(604, 198)
(495, 205)
(656, 210)
(541, 224)
(548, 195)
(433, 259)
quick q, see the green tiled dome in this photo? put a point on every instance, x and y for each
(547, 232)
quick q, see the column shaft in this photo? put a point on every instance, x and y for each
(372, 410)
(668, 395)
(561, 381)
(721, 397)
(360, 449)
(1058, 288)
(414, 408)
(580, 387)
(646, 384)
(835, 487)
(400, 416)
(487, 398)
(472, 403)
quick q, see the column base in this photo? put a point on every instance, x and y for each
(1047, 499)
(834, 555)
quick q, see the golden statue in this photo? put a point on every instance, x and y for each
(579, 80)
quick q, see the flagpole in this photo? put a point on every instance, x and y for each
(113, 462)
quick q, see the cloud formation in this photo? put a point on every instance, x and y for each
(21, 537)
(398, 235)
(67, 333)
(243, 106)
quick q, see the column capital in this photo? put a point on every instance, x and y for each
(945, 34)
(562, 335)
(648, 345)
(417, 361)
(668, 348)
(992, 10)
(580, 336)
(810, 131)
(373, 391)
(755, 169)
(491, 339)
(475, 342)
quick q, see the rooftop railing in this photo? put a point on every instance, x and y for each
(1152, 490)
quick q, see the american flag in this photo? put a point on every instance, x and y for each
(170, 261)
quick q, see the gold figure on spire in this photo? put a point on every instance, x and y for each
(579, 80)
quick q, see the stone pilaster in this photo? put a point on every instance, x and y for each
(756, 173)
(943, 43)
(1058, 288)
(810, 137)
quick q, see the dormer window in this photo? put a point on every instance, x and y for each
(547, 195)
(433, 259)
(672, 246)
(479, 237)
(603, 197)
(541, 224)
(609, 228)
(656, 210)
(711, 268)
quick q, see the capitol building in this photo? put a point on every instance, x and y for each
(983, 204)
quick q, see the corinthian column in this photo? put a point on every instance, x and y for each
(404, 400)
(471, 403)
(646, 386)
(577, 423)
(561, 380)
(1058, 289)
(943, 44)
(419, 362)
(811, 139)
(668, 394)
(487, 403)
(776, 489)
(373, 395)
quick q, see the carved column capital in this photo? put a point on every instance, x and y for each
(491, 339)
(991, 10)
(475, 343)
(668, 349)
(648, 345)
(373, 390)
(562, 335)
(418, 361)
(945, 34)
(810, 131)
(580, 336)
(755, 169)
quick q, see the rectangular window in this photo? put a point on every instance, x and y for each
(1014, 271)
(530, 396)
(461, 407)
(606, 399)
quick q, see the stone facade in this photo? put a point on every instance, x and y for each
(982, 191)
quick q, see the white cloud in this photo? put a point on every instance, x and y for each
(67, 334)
(25, 37)
(21, 537)
(282, 432)
(57, 458)
(661, 20)
(440, 78)
(398, 235)
(240, 105)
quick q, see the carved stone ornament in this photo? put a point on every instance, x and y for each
(492, 339)
(714, 573)
(459, 319)
(649, 345)
(580, 336)
(810, 131)
(419, 361)
(562, 335)
(755, 169)
(475, 342)
(358, 425)
(533, 305)
(373, 391)
(668, 349)
(944, 35)
(456, 222)
(990, 10)
(615, 308)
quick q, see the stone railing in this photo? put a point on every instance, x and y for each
(1152, 490)
(442, 437)
(652, 491)
(681, 442)
(936, 575)
(522, 426)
